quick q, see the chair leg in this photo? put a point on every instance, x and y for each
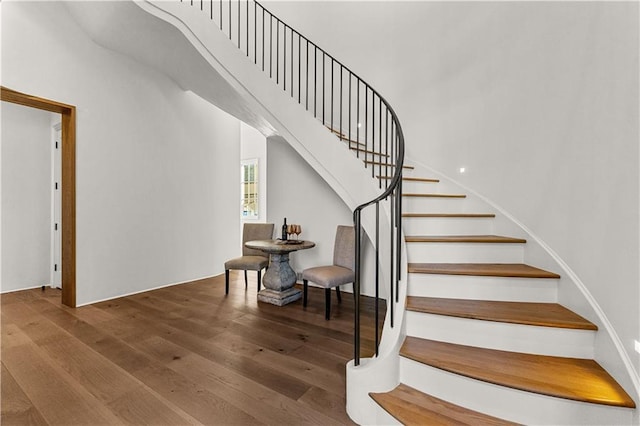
(338, 294)
(246, 282)
(226, 281)
(327, 303)
(305, 285)
(259, 279)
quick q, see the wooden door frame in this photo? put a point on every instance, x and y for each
(68, 155)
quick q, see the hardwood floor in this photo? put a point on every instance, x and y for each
(179, 355)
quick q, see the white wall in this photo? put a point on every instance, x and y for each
(298, 193)
(26, 144)
(156, 166)
(538, 100)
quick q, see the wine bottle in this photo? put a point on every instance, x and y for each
(284, 230)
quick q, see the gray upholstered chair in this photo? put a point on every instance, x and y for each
(251, 260)
(341, 272)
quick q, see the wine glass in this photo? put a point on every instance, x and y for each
(291, 229)
(297, 231)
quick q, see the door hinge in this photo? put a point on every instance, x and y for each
(55, 227)
(56, 185)
(56, 144)
(55, 268)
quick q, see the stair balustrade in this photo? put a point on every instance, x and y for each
(347, 105)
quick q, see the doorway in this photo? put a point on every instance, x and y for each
(68, 183)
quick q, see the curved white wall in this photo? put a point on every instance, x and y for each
(156, 167)
(538, 100)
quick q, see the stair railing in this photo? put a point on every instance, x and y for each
(347, 105)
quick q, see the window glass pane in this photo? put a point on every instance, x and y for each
(249, 189)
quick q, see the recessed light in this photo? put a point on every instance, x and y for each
(637, 345)
(462, 169)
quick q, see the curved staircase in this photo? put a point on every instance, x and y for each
(486, 341)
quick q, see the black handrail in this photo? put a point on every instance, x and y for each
(384, 148)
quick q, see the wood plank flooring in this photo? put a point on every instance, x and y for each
(179, 355)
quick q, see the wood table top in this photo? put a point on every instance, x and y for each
(280, 246)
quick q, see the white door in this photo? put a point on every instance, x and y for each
(56, 208)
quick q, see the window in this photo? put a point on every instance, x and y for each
(249, 189)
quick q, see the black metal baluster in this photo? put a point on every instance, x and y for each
(315, 80)
(270, 46)
(331, 127)
(393, 140)
(392, 211)
(340, 100)
(380, 157)
(291, 62)
(230, 32)
(386, 146)
(306, 93)
(356, 289)
(238, 23)
(377, 274)
(220, 14)
(391, 304)
(255, 33)
(398, 241)
(323, 90)
(373, 132)
(366, 115)
(284, 55)
(277, 50)
(349, 120)
(358, 120)
(247, 19)
(299, 67)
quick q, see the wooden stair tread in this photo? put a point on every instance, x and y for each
(432, 195)
(515, 270)
(463, 239)
(570, 378)
(366, 151)
(345, 138)
(411, 179)
(352, 142)
(379, 163)
(411, 407)
(526, 313)
(335, 131)
(450, 215)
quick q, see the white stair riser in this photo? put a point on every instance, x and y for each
(506, 403)
(384, 418)
(414, 187)
(441, 205)
(447, 226)
(483, 288)
(502, 336)
(465, 252)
